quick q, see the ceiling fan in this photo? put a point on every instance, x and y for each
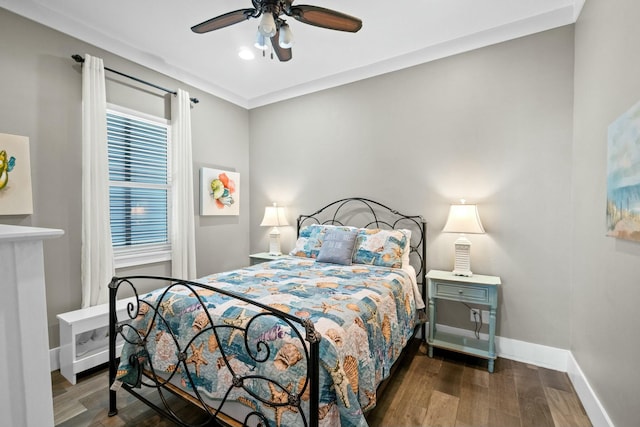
(274, 27)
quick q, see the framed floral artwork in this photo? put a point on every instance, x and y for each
(219, 192)
(15, 176)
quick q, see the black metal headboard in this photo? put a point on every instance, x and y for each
(365, 213)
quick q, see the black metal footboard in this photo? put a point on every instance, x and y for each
(148, 321)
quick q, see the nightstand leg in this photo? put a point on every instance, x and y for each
(492, 336)
(432, 324)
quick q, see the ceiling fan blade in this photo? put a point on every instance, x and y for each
(222, 21)
(325, 18)
(283, 54)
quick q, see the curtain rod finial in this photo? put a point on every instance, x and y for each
(78, 58)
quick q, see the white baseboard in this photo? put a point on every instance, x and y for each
(520, 351)
(533, 354)
(54, 358)
(596, 412)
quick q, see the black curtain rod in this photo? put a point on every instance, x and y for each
(80, 59)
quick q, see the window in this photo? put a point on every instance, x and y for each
(139, 187)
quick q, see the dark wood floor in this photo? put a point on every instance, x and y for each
(448, 390)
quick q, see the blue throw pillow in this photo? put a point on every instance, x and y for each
(337, 246)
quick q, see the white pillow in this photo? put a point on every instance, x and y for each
(407, 248)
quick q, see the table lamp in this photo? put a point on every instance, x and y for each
(463, 219)
(274, 216)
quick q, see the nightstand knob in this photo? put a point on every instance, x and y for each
(460, 291)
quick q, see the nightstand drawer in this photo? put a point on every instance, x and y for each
(459, 292)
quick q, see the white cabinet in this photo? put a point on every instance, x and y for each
(73, 358)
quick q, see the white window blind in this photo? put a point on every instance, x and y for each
(139, 187)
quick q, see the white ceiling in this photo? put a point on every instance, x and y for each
(395, 34)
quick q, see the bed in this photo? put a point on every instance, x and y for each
(305, 340)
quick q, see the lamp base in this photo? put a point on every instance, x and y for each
(462, 273)
(274, 242)
(462, 265)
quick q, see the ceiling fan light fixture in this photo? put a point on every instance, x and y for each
(267, 25)
(285, 38)
(262, 42)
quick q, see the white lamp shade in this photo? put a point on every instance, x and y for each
(285, 39)
(261, 41)
(267, 25)
(274, 216)
(463, 218)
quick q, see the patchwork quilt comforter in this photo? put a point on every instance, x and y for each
(365, 314)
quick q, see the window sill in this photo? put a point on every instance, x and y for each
(128, 258)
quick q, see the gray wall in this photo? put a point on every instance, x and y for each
(41, 99)
(606, 285)
(493, 126)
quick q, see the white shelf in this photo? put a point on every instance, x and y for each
(461, 344)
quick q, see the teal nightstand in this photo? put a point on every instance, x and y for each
(477, 289)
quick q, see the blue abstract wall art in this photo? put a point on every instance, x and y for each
(623, 176)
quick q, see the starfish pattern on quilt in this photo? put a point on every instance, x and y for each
(326, 307)
(299, 287)
(196, 357)
(167, 306)
(279, 396)
(238, 323)
(373, 320)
